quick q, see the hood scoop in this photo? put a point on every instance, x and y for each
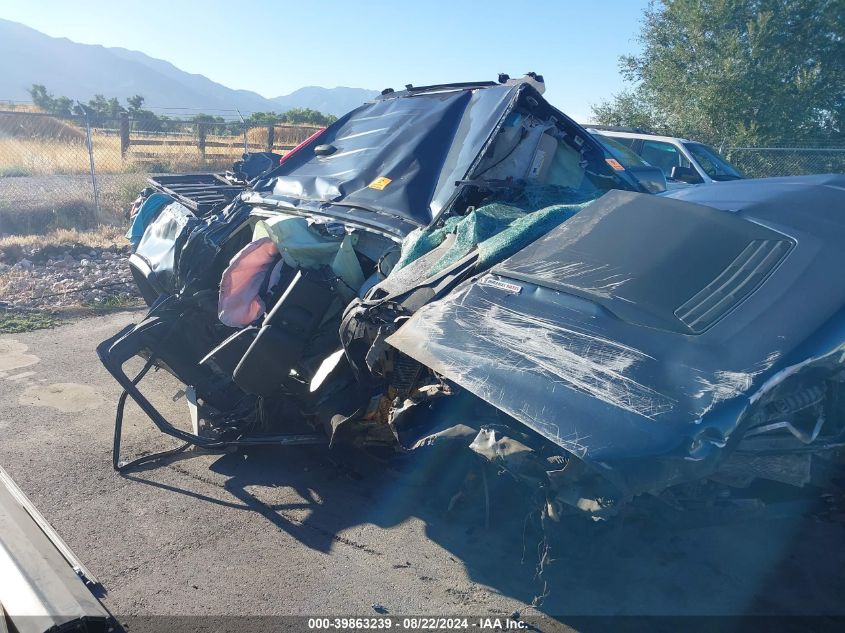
(742, 277)
(653, 261)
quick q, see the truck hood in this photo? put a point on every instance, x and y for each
(401, 157)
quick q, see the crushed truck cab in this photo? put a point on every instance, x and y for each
(470, 243)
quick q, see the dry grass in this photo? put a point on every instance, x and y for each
(14, 247)
(46, 197)
(40, 204)
(47, 127)
(282, 135)
(43, 157)
(12, 106)
(5, 281)
(41, 146)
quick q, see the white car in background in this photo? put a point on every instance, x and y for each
(682, 161)
(651, 177)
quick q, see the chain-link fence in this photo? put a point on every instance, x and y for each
(762, 162)
(78, 171)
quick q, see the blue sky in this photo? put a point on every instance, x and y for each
(275, 47)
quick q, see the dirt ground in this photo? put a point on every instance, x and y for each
(301, 531)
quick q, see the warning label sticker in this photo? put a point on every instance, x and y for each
(380, 183)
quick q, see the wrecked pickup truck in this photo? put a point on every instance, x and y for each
(463, 264)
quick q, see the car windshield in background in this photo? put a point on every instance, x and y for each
(620, 152)
(712, 163)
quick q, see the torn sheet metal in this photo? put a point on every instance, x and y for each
(510, 453)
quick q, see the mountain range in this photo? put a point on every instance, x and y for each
(80, 71)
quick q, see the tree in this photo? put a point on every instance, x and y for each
(629, 108)
(103, 111)
(748, 71)
(135, 102)
(214, 124)
(307, 116)
(40, 96)
(60, 106)
(100, 110)
(145, 119)
(257, 119)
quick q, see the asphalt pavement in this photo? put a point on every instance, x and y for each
(296, 530)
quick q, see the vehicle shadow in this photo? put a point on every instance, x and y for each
(658, 562)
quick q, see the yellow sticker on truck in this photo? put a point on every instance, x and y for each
(380, 183)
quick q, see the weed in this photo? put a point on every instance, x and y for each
(115, 302)
(16, 322)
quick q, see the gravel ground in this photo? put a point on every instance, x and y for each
(53, 278)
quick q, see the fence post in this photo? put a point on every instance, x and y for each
(124, 134)
(202, 130)
(271, 134)
(90, 144)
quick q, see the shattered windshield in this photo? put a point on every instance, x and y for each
(712, 163)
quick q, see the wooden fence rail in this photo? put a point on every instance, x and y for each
(294, 134)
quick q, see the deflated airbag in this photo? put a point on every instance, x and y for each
(240, 303)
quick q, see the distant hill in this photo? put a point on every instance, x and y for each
(335, 101)
(80, 71)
